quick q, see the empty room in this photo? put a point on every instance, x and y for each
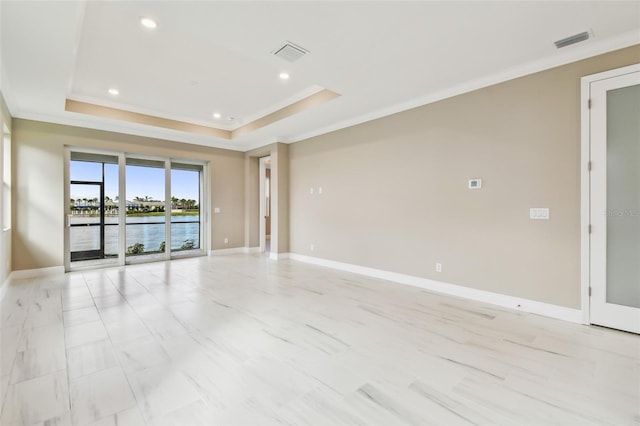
(320, 212)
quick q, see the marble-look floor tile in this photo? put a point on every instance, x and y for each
(245, 340)
(4, 385)
(166, 328)
(120, 313)
(197, 413)
(12, 316)
(90, 358)
(38, 361)
(99, 395)
(85, 333)
(128, 330)
(38, 317)
(63, 420)
(80, 316)
(37, 401)
(130, 417)
(77, 302)
(48, 298)
(46, 336)
(9, 339)
(160, 390)
(110, 300)
(140, 354)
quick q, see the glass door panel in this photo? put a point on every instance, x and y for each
(86, 220)
(185, 207)
(145, 227)
(623, 196)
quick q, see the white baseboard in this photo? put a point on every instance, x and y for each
(235, 250)
(33, 273)
(520, 304)
(278, 256)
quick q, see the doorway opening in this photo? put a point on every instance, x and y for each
(265, 204)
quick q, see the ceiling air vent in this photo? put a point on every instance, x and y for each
(576, 38)
(290, 52)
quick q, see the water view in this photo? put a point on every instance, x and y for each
(146, 230)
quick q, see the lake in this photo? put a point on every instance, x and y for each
(147, 230)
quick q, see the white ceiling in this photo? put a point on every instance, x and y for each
(206, 56)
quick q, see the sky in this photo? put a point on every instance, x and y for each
(141, 181)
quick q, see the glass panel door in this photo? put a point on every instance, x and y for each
(92, 219)
(615, 202)
(145, 227)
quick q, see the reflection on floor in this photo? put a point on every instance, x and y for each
(243, 339)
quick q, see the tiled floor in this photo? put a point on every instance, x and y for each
(245, 340)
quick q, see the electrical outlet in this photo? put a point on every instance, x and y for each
(320, 190)
(311, 191)
(311, 247)
(226, 240)
(438, 267)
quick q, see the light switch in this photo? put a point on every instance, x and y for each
(538, 213)
(216, 210)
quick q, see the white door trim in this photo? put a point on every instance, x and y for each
(263, 207)
(585, 181)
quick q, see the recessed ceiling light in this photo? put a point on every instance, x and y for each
(216, 115)
(148, 23)
(114, 92)
(284, 76)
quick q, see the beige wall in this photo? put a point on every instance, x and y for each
(38, 198)
(395, 191)
(5, 232)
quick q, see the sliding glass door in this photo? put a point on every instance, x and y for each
(127, 208)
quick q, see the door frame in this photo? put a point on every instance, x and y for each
(262, 210)
(122, 260)
(67, 205)
(585, 181)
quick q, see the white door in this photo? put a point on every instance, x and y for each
(615, 200)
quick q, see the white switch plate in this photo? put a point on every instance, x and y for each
(216, 210)
(320, 190)
(539, 213)
(311, 191)
(226, 241)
